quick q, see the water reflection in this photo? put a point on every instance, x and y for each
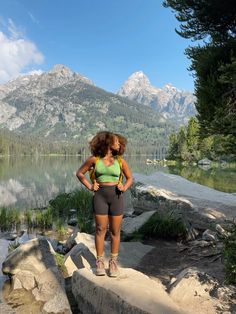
(28, 182)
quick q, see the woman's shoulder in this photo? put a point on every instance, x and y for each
(91, 159)
(121, 160)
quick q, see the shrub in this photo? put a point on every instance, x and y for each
(164, 226)
(229, 253)
(81, 200)
(43, 219)
(60, 229)
(9, 219)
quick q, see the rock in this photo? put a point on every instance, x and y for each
(192, 290)
(54, 243)
(149, 161)
(10, 236)
(57, 305)
(226, 293)
(51, 290)
(200, 243)
(222, 231)
(83, 254)
(72, 221)
(192, 233)
(6, 309)
(35, 256)
(129, 225)
(204, 161)
(199, 206)
(209, 235)
(24, 237)
(148, 198)
(16, 283)
(132, 292)
(79, 257)
(26, 278)
(61, 249)
(70, 242)
(33, 265)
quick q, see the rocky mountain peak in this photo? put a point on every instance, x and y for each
(60, 69)
(169, 88)
(62, 72)
(138, 79)
(167, 100)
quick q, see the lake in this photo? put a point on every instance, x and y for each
(29, 182)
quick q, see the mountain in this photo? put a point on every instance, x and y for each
(169, 101)
(61, 104)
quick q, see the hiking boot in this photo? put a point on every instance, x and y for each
(100, 267)
(113, 268)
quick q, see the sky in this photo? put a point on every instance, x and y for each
(104, 40)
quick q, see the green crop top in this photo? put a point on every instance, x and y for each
(105, 173)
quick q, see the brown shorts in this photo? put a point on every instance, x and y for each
(108, 200)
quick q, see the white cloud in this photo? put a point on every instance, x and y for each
(15, 32)
(33, 72)
(33, 18)
(17, 53)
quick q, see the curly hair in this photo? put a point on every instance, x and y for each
(103, 140)
(123, 143)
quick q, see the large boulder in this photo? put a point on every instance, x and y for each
(83, 253)
(51, 290)
(24, 279)
(132, 224)
(199, 206)
(132, 292)
(34, 256)
(6, 309)
(200, 293)
(204, 161)
(32, 266)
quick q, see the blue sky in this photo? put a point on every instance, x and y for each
(104, 40)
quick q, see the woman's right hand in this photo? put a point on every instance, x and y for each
(95, 186)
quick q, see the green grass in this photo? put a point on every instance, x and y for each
(10, 219)
(229, 253)
(60, 228)
(81, 201)
(12, 247)
(56, 215)
(43, 219)
(28, 218)
(40, 219)
(164, 226)
(60, 263)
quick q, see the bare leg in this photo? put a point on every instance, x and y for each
(101, 228)
(114, 229)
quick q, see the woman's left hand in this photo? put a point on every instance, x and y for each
(121, 187)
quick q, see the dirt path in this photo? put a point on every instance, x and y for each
(166, 260)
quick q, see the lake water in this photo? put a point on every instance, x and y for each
(29, 182)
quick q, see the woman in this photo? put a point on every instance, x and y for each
(108, 202)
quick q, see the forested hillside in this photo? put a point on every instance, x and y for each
(60, 105)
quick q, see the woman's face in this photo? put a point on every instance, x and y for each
(116, 144)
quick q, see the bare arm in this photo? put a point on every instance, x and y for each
(83, 169)
(128, 176)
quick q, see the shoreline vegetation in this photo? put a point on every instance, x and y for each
(21, 144)
(188, 146)
(75, 209)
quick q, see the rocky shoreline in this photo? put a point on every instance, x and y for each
(166, 276)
